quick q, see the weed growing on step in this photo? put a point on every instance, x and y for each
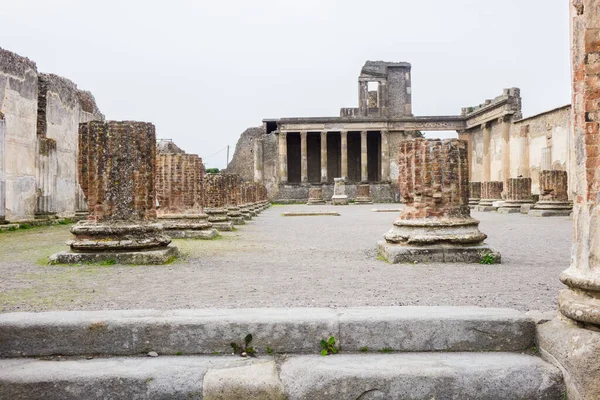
(487, 259)
(386, 350)
(269, 351)
(364, 349)
(328, 347)
(106, 263)
(246, 349)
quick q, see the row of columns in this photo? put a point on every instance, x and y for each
(486, 127)
(364, 171)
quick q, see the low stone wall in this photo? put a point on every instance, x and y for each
(298, 193)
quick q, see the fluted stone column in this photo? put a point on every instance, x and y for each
(344, 154)
(363, 194)
(572, 341)
(304, 159)
(554, 197)
(214, 202)
(491, 192)
(385, 156)
(518, 196)
(258, 160)
(324, 157)
(117, 165)
(232, 193)
(283, 159)
(524, 168)
(474, 193)
(364, 171)
(546, 159)
(179, 195)
(487, 156)
(436, 225)
(315, 196)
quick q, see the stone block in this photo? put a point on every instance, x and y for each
(508, 210)
(440, 253)
(223, 226)
(525, 208)
(144, 257)
(258, 380)
(549, 213)
(575, 351)
(207, 234)
(420, 376)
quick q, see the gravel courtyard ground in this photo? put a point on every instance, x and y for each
(277, 261)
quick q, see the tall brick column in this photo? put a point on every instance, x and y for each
(214, 202)
(491, 192)
(518, 194)
(232, 194)
(179, 194)
(117, 162)
(572, 341)
(436, 225)
(474, 194)
(554, 197)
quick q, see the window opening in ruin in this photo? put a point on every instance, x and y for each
(373, 94)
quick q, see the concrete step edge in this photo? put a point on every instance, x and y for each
(340, 377)
(292, 330)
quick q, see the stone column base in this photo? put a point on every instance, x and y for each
(189, 226)
(441, 253)
(207, 234)
(223, 226)
(513, 207)
(473, 202)
(575, 351)
(551, 209)
(339, 200)
(364, 200)
(315, 202)
(235, 215)
(142, 257)
(486, 205)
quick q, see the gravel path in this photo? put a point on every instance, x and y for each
(277, 261)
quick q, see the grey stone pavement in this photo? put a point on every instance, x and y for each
(276, 261)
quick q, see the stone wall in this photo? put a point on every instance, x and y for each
(546, 132)
(42, 113)
(242, 162)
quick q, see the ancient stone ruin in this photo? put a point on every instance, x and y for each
(436, 225)
(214, 202)
(179, 193)
(315, 196)
(232, 199)
(518, 195)
(554, 200)
(474, 194)
(363, 194)
(491, 194)
(339, 198)
(117, 175)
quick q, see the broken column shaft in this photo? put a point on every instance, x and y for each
(214, 202)
(363, 194)
(436, 225)
(518, 193)
(117, 174)
(315, 195)
(554, 198)
(179, 193)
(232, 194)
(474, 194)
(491, 192)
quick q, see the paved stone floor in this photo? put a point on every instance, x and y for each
(277, 261)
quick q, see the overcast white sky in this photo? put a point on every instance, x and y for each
(204, 71)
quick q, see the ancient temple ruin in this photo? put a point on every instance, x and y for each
(291, 155)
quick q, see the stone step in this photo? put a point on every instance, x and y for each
(304, 377)
(293, 330)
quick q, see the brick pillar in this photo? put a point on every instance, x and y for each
(572, 341)
(315, 195)
(243, 201)
(179, 194)
(324, 156)
(436, 225)
(214, 202)
(518, 194)
(363, 194)
(491, 192)
(232, 194)
(117, 162)
(304, 157)
(554, 197)
(344, 154)
(385, 157)
(283, 161)
(474, 192)
(364, 169)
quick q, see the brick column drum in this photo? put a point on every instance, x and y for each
(518, 194)
(572, 340)
(363, 194)
(491, 192)
(179, 194)
(243, 204)
(554, 198)
(232, 194)
(474, 194)
(214, 202)
(315, 195)
(117, 162)
(436, 225)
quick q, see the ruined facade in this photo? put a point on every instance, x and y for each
(39, 119)
(289, 155)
